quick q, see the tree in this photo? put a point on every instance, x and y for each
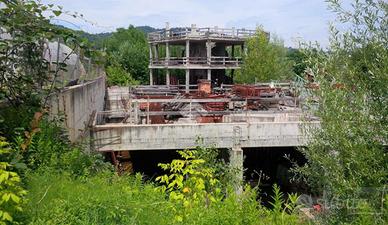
(25, 30)
(265, 60)
(128, 48)
(116, 75)
(298, 59)
(346, 157)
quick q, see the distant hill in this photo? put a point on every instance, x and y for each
(147, 29)
(98, 39)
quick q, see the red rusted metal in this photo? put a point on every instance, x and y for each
(243, 90)
(204, 87)
(209, 119)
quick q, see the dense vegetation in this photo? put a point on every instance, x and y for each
(266, 60)
(347, 159)
(44, 179)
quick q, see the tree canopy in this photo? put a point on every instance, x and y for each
(128, 49)
(347, 157)
(265, 60)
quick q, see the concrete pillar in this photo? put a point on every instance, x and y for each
(209, 74)
(167, 29)
(244, 49)
(167, 53)
(156, 52)
(187, 88)
(151, 56)
(168, 77)
(151, 77)
(208, 52)
(236, 161)
(187, 51)
(232, 51)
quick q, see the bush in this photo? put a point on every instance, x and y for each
(116, 75)
(11, 191)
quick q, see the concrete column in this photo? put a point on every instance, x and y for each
(208, 52)
(187, 88)
(209, 74)
(187, 51)
(244, 49)
(168, 77)
(232, 51)
(151, 56)
(156, 52)
(167, 53)
(237, 167)
(167, 29)
(151, 77)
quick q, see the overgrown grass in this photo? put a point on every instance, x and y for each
(109, 199)
(102, 199)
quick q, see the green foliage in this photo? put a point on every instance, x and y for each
(298, 58)
(103, 199)
(24, 73)
(116, 75)
(283, 211)
(190, 181)
(192, 184)
(11, 192)
(265, 60)
(50, 150)
(347, 159)
(128, 48)
(106, 198)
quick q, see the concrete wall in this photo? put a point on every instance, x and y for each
(77, 104)
(119, 137)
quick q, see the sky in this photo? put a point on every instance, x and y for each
(291, 20)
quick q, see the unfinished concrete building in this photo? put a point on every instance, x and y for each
(144, 125)
(203, 53)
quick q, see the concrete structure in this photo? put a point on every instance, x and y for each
(203, 53)
(127, 137)
(79, 104)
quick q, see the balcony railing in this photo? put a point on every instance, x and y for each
(201, 61)
(182, 33)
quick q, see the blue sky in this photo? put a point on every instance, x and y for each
(290, 19)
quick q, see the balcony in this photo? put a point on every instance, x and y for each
(197, 62)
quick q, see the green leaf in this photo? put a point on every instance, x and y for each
(57, 12)
(15, 198)
(7, 217)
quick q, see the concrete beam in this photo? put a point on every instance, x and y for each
(121, 137)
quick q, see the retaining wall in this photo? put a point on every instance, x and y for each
(77, 105)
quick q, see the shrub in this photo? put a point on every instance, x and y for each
(11, 192)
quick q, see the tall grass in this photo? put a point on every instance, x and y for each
(110, 199)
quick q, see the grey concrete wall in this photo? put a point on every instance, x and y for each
(118, 137)
(77, 104)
